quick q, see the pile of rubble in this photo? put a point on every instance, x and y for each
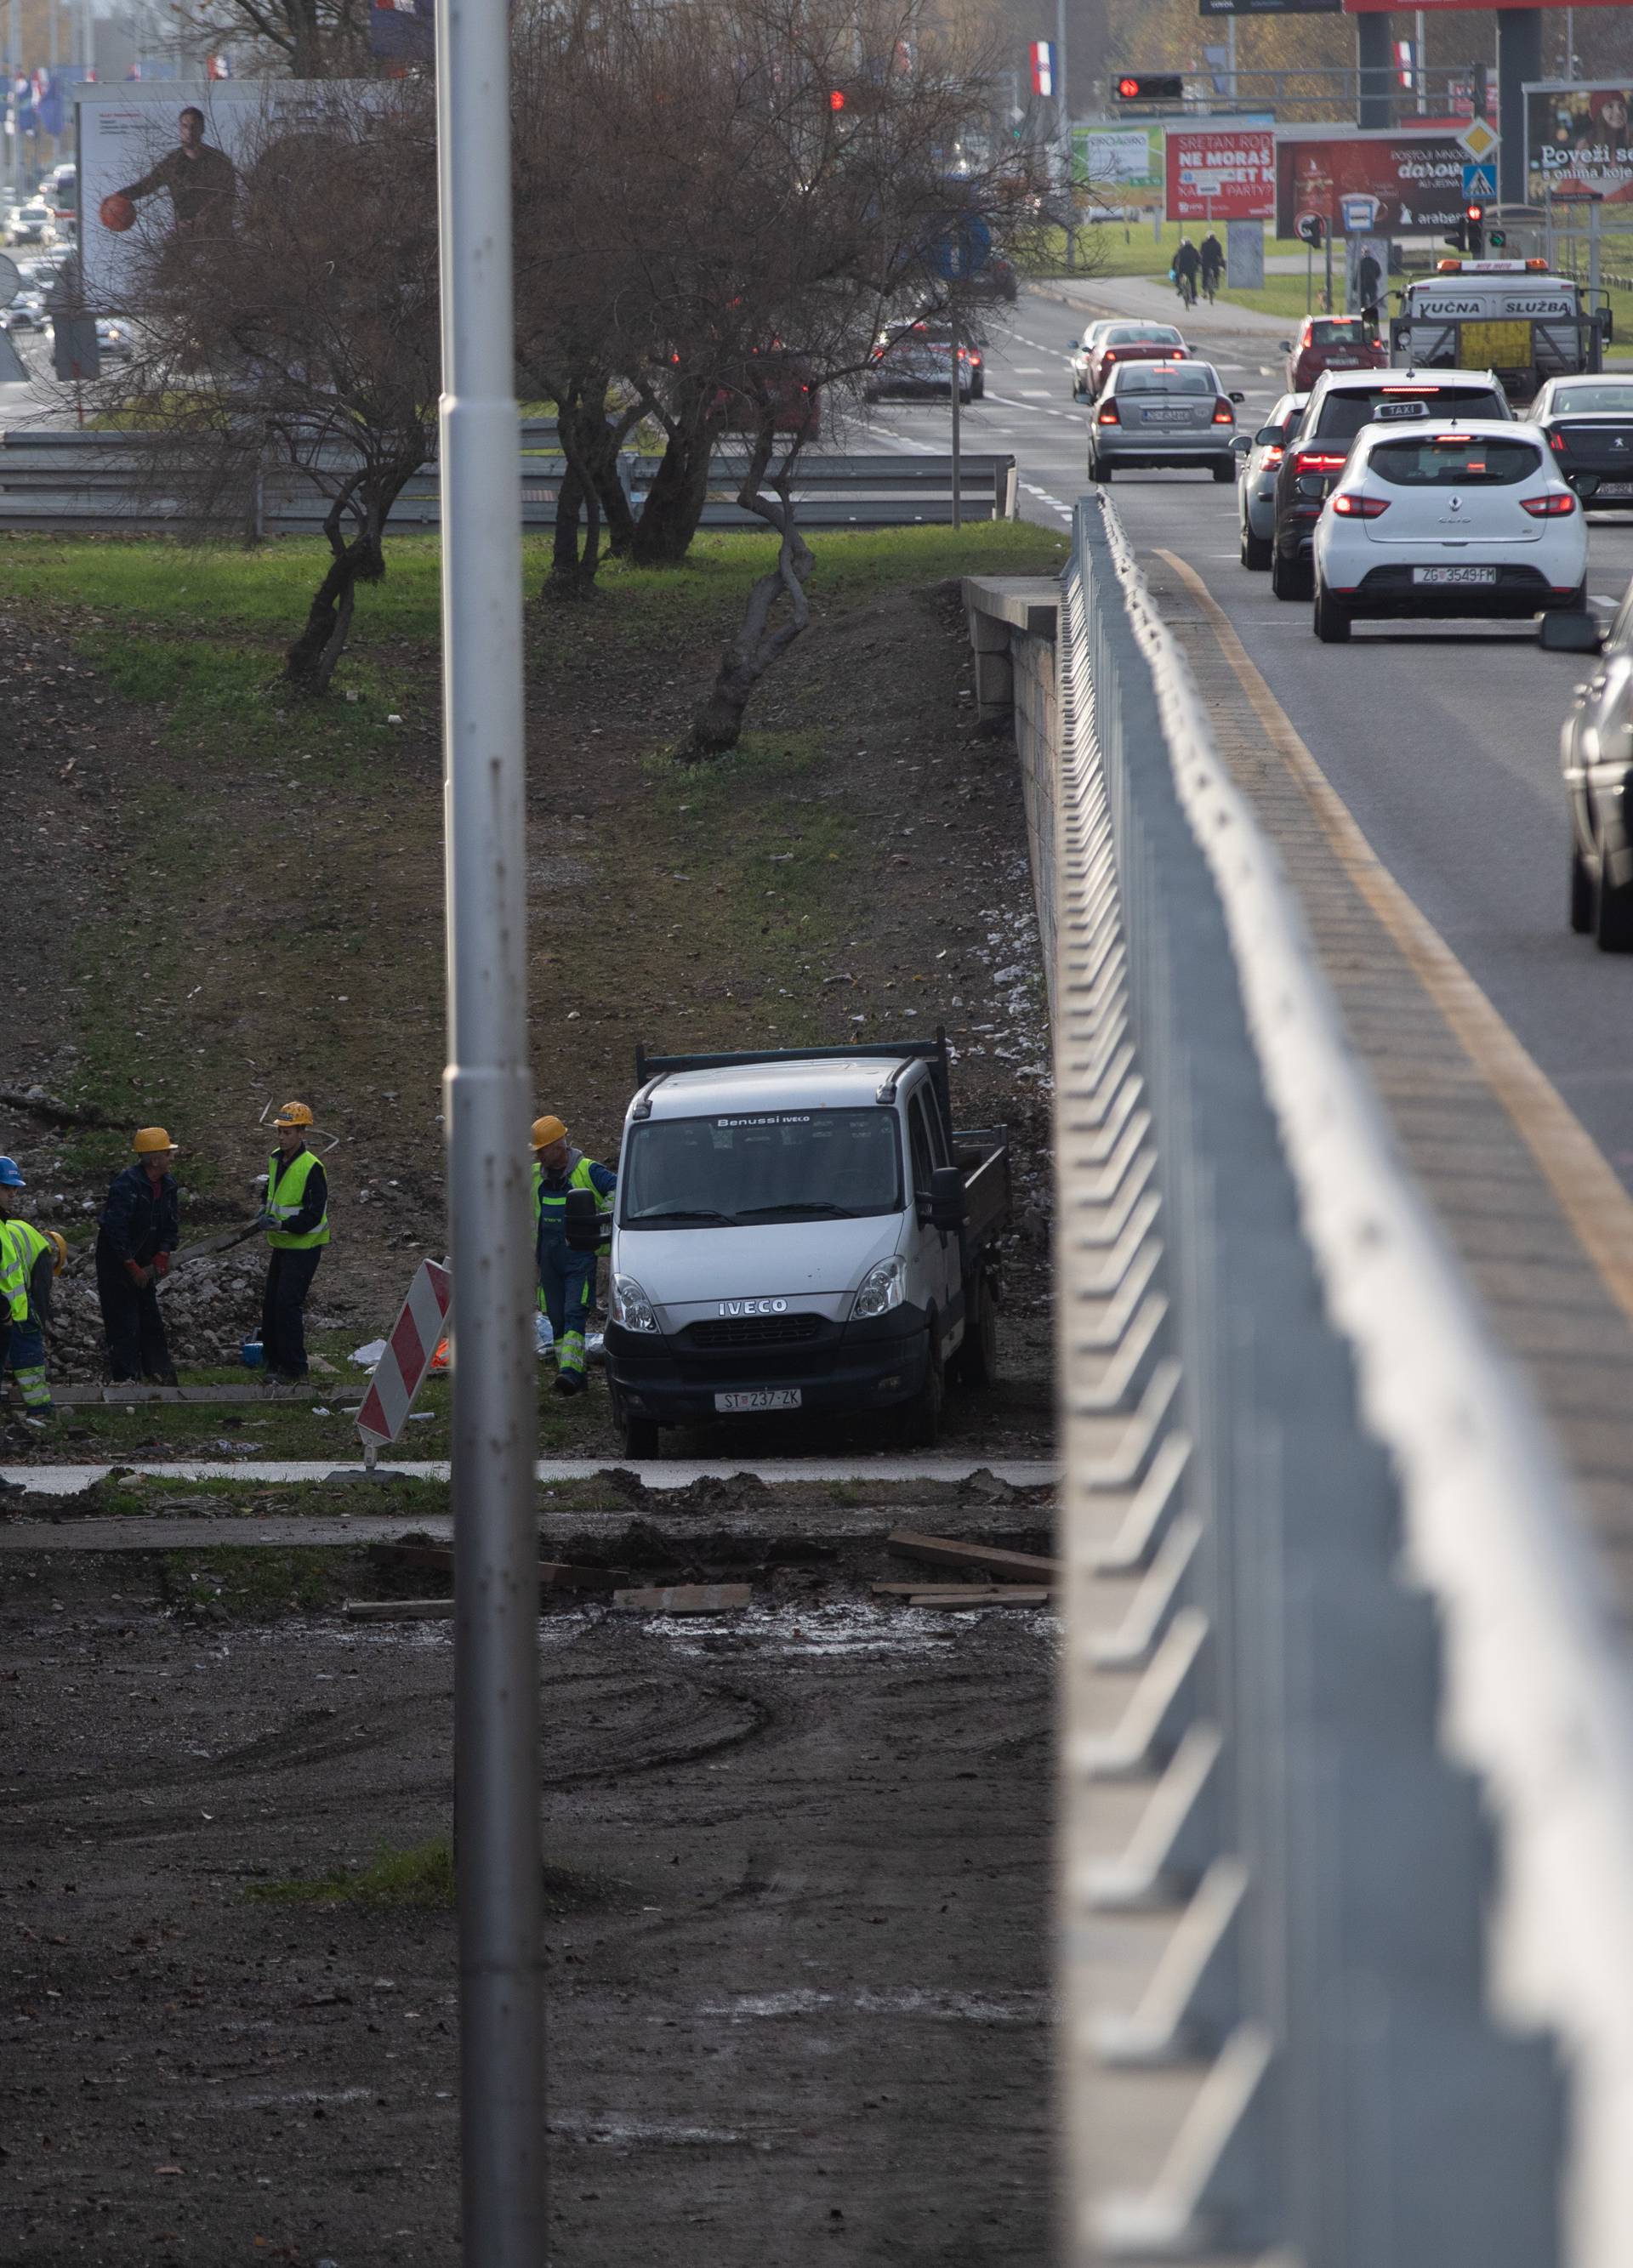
(210, 1307)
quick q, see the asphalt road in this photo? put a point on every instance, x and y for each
(1442, 741)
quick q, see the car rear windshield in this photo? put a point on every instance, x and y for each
(1149, 378)
(1452, 463)
(1593, 400)
(761, 1166)
(1147, 334)
(1348, 409)
(1339, 331)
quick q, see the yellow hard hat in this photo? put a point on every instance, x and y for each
(546, 1130)
(293, 1114)
(150, 1139)
(55, 1237)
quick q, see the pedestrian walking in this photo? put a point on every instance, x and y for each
(296, 1221)
(567, 1277)
(31, 1259)
(137, 1234)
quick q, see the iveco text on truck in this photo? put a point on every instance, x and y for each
(801, 1230)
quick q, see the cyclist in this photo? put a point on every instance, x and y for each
(1187, 267)
(1213, 260)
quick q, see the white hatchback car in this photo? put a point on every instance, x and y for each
(1437, 517)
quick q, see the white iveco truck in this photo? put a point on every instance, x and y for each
(801, 1230)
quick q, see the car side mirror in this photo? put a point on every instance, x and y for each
(1241, 445)
(1268, 436)
(582, 1221)
(1570, 634)
(949, 1206)
(1239, 397)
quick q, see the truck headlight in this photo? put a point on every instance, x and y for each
(883, 1287)
(630, 1307)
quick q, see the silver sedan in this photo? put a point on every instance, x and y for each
(1163, 413)
(1255, 495)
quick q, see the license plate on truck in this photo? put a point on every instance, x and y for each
(1454, 574)
(765, 1397)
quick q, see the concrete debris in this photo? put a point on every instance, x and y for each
(209, 1308)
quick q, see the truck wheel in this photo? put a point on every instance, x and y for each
(975, 1362)
(640, 1436)
(1613, 911)
(920, 1419)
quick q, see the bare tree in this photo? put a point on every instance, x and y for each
(297, 334)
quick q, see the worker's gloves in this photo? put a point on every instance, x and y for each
(266, 1221)
(139, 1276)
(161, 1263)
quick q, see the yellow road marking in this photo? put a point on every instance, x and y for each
(1587, 1192)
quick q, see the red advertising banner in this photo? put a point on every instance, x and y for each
(1220, 173)
(1370, 186)
(1441, 7)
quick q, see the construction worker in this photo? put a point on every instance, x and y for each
(31, 1258)
(296, 1221)
(136, 1237)
(567, 1277)
(13, 1279)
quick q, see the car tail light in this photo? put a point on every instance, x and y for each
(1223, 414)
(1317, 460)
(1108, 414)
(1556, 442)
(1109, 355)
(1549, 507)
(1353, 506)
(1275, 454)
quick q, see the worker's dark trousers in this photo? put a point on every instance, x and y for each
(282, 1333)
(131, 1323)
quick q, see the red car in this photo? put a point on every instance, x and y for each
(784, 380)
(1132, 342)
(1332, 342)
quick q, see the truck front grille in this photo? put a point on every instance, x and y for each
(754, 1330)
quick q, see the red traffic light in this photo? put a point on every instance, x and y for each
(1151, 86)
(1128, 88)
(1475, 212)
(836, 99)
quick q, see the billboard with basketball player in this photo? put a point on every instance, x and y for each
(162, 169)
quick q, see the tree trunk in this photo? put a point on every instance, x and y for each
(675, 502)
(563, 579)
(581, 430)
(717, 725)
(309, 664)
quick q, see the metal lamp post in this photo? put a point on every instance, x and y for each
(487, 1108)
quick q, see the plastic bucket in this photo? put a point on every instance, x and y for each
(251, 1352)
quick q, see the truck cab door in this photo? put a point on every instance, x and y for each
(940, 1250)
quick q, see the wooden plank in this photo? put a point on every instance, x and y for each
(554, 1574)
(928, 1590)
(983, 1558)
(684, 1598)
(115, 1397)
(399, 1610)
(1001, 1595)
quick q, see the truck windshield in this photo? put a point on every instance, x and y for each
(760, 1166)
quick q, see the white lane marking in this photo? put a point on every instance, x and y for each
(1044, 497)
(1026, 369)
(1034, 394)
(1010, 402)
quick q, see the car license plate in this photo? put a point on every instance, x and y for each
(1615, 489)
(765, 1397)
(1166, 416)
(1454, 574)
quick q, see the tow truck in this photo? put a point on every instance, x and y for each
(1513, 316)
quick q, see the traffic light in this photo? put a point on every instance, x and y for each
(1151, 86)
(1474, 223)
(836, 98)
(1495, 238)
(1457, 237)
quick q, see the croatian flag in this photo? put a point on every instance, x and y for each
(1043, 68)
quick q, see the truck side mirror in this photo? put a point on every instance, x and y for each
(583, 1221)
(949, 1206)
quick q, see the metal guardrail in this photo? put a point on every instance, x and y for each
(136, 484)
(1334, 1644)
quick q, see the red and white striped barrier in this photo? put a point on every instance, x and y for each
(409, 1354)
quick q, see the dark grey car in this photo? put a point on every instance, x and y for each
(1589, 423)
(1255, 496)
(1164, 414)
(1595, 749)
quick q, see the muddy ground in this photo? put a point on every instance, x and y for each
(797, 1971)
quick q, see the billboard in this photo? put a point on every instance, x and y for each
(160, 164)
(1271, 7)
(1579, 140)
(1122, 165)
(1218, 173)
(1373, 184)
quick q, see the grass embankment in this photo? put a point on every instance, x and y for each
(252, 885)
